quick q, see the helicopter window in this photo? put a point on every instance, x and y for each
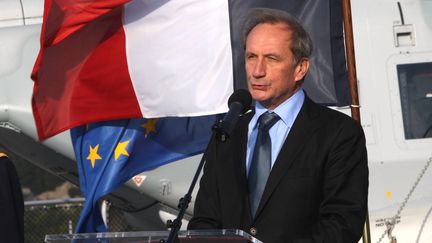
(415, 86)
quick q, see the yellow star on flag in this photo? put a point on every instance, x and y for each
(121, 149)
(93, 155)
(150, 126)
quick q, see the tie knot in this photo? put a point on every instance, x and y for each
(267, 120)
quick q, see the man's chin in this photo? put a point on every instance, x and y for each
(259, 96)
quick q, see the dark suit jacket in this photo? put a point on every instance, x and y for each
(11, 204)
(316, 191)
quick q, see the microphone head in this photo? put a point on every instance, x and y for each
(243, 97)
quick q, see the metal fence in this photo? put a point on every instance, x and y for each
(60, 217)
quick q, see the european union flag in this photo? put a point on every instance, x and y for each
(110, 153)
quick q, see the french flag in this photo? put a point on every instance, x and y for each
(115, 59)
(101, 60)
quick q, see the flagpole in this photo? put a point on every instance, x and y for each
(352, 79)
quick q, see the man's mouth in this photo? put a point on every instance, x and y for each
(259, 86)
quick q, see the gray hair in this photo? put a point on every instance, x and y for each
(301, 44)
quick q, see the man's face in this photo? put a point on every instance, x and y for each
(271, 74)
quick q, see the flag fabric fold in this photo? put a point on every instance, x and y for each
(81, 74)
(110, 153)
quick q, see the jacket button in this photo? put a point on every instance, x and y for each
(253, 231)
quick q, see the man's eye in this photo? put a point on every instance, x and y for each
(273, 58)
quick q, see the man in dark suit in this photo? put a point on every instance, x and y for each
(314, 167)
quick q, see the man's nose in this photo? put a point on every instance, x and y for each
(259, 70)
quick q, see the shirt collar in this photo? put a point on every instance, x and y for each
(287, 111)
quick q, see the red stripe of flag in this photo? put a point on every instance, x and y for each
(81, 74)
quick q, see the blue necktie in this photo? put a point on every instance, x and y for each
(261, 160)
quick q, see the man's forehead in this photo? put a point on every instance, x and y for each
(266, 35)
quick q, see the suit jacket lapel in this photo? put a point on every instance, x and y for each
(240, 141)
(302, 129)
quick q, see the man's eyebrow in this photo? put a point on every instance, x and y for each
(273, 55)
(266, 55)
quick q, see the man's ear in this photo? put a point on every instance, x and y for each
(301, 69)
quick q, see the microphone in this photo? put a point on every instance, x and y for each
(238, 103)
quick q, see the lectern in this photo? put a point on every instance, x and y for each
(189, 236)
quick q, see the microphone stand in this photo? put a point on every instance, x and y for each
(217, 132)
